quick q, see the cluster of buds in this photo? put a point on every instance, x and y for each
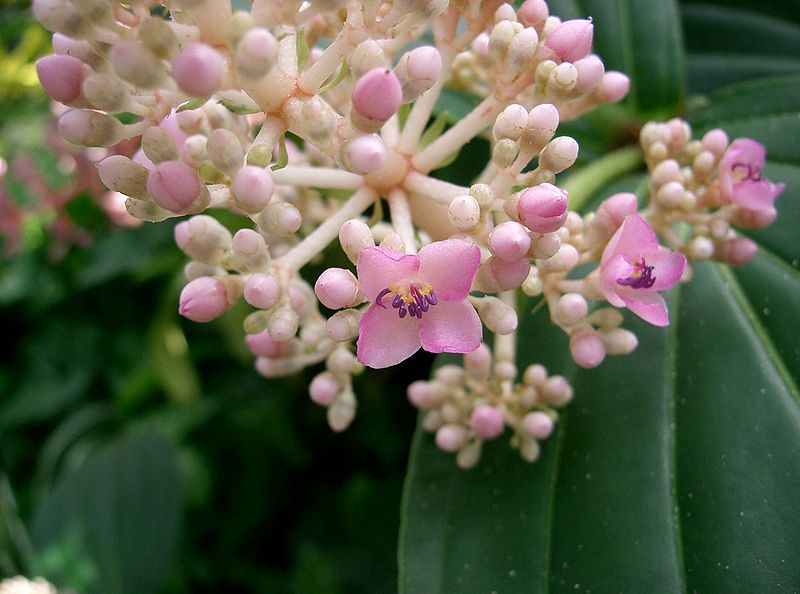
(303, 118)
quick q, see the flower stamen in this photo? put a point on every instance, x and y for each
(414, 301)
(641, 278)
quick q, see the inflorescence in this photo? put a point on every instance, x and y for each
(302, 117)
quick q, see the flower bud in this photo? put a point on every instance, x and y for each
(563, 261)
(176, 187)
(480, 48)
(494, 274)
(135, 63)
(534, 13)
(486, 421)
(105, 91)
(522, 50)
(571, 40)
(738, 251)
(354, 236)
(505, 152)
(700, 248)
(497, 316)
(571, 308)
(618, 341)
(538, 425)
(61, 77)
(590, 72)
(203, 238)
(324, 388)
(419, 394)
(262, 345)
(417, 71)
(532, 286)
(204, 299)
(509, 241)
(364, 154)
(534, 375)
(342, 412)
(559, 154)
(613, 87)
(464, 212)
(60, 16)
(510, 123)
(587, 349)
(158, 145)
(540, 127)
(256, 53)
(500, 38)
(478, 363)
(451, 437)
(542, 208)
(529, 450)
(337, 288)
(715, 141)
(250, 251)
(283, 323)
(225, 151)
(556, 391)
(393, 241)
(90, 128)
(198, 69)
(376, 97)
(252, 189)
(262, 290)
(157, 35)
(146, 210)
(545, 246)
(343, 325)
(80, 49)
(280, 218)
(368, 55)
(121, 174)
(341, 361)
(562, 80)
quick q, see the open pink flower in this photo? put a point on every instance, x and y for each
(740, 178)
(418, 301)
(634, 267)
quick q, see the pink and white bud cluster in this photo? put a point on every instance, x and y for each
(333, 388)
(466, 406)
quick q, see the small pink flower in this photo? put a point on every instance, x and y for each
(740, 178)
(418, 301)
(634, 267)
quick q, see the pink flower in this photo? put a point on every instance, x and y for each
(418, 301)
(634, 267)
(740, 178)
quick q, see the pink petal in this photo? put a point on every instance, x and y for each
(618, 267)
(668, 267)
(744, 150)
(450, 267)
(634, 238)
(379, 267)
(384, 339)
(451, 327)
(755, 194)
(648, 305)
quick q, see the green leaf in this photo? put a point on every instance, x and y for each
(195, 103)
(119, 516)
(676, 467)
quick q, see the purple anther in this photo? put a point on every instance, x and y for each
(641, 278)
(380, 296)
(397, 302)
(402, 311)
(431, 298)
(412, 309)
(421, 304)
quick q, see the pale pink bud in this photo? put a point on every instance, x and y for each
(137, 64)
(157, 35)
(204, 299)
(571, 40)
(542, 123)
(486, 421)
(480, 46)
(262, 290)
(509, 241)
(464, 212)
(256, 52)
(343, 325)
(262, 345)
(587, 349)
(739, 251)
(715, 141)
(176, 187)
(337, 288)
(533, 13)
(377, 95)
(613, 210)
(364, 154)
(354, 236)
(225, 151)
(538, 424)
(417, 71)
(451, 437)
(559, 154)
(283, 324)
(61, 77)
(203, 238)
(324, 388)
(368, 54)
(60, 16)
(198, 69)
(754, 219)
(590, 73)
(613, 87)
(158, 145)
(543, 208)
(122, 175)
(341, 360)
(478, 363)
(252, 188)
(556, 390)
(250, 251)
(280, 218)
(508, 275)
(571, 308)
(89, 128)
(419, 394)
(104, 91)
(497, 316)
(511, 122)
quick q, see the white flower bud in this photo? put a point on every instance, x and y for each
(342, 412)
(121, 174)
(280, 218)
(250, 253)
(283, 323)
(158, 145)
(343, 325)
(464, 212)
(619, 341)
(156, 35)
(225, 151)
(393, 241)
(106, 92)
(497, 316)
(354, 236)
(505, 152)
(510, 123)
(559, 154)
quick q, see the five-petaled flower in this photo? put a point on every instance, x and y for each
(634, 267)
(740, 179)
(418, 301)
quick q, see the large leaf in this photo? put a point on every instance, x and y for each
(676, 468)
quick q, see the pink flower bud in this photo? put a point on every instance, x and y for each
(509, 241)
(175, 186)
(542, 123)
(538, 425)
(198, 69)
(590, 73)
(613, 210)
(419, 394)
(417, 71)
(203, 238)
(571, 40)
(486, 421)
(89, 128)
(534, 13)
(364, 154)
(508, 275)
(715, 141)
(377, 95)
(451, 437)
(337, 288)
(256, 52)
(478, 363)
(571, 308)
(61, 77)
(587, 349)
(204, 299)
(543, 208)
(754, 219)
(252, 188)
(739, 251)
(262, 290)
(324, 388)
(262, 345)
(614, 87)
(280, 218)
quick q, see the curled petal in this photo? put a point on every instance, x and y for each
(384, 339)
(451, 327)
(648, 305)
(668, 267)
(380, 267)
(450, 267)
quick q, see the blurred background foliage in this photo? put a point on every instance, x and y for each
(142, 453)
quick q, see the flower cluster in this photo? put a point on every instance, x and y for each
(305, 118)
